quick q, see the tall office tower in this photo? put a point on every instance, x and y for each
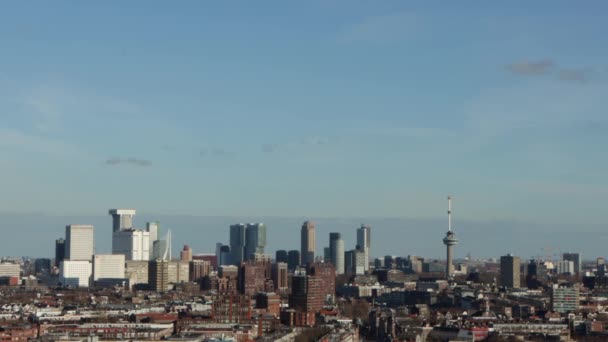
(280, 277)
(79, 242)
(390, 261)
(153, 229)
(306, 297)
(307, 239)
(59, 251)
(281, 256)
(186, 254)
(133, 244)
(364, 242)
(449, 241)
(255, 240)
(225, 257)
(378, 263)
(576, 259)
(336, 251)
(509, 271)
(158, 275)
(121, 219)
(108, 266)
(601, 267)
(326, 254)
(293, 259)
(354, 262)
(237, 243)
(76, 273)
(565, 267)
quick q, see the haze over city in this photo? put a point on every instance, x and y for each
(201, 115)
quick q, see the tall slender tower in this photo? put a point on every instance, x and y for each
(307, 242)
(449, 240)
(364, 241)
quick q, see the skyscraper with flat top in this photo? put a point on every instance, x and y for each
(307, 239)
(509, 271)
(79, 242)
(336, 251)
(122, 219)
(237, 243)
(576, 259)
(364, 242)
(255, 240)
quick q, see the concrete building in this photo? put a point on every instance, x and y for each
(79, 242)
(354, 262)
(576, 260)
(76, 273)
(199, 269)
(153, 229)
(136, 272)
(255, 240)
(510, 271)
(122, 219)
(179, 272)
(133, 244)
(280, 277)
(364, 242)
(108, 266)
(307, 243)
(186, 254)
(293, 260)
(158, 275)
(565, 267)
(565, 299)
(336, 251)
(237, 243)
(8, 269)
(59, 251)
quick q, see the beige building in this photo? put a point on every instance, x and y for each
(307, 239)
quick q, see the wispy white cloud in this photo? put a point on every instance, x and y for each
(532, 68)
(128, 161)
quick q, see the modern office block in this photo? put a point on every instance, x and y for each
(237, 243)
(336, 251)
(510, 271)
(122, 219)
(576, 259)
(255, 240)
(364, 242)
(108, 266)
(79, 242)
(59, 251)
(133, 244)
(307, 243)
(76, 273)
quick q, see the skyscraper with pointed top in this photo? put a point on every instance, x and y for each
(449, 241)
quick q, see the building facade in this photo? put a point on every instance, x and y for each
(510, 271)
(307, 243)
(79, 242)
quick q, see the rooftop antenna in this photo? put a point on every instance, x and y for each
(449, 213)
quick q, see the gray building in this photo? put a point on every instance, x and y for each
(59, 251)
(237, 243)
(354, 262)
(336, 251)
(255, 240)
(79, 242)
(307, 243)
(510, 271)
(364, 242)
(576, 259)
(121, 219)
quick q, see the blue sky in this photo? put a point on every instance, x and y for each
(306, 109)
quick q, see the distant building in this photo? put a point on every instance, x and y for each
(59, 251)
(576, 260)
(390, 261)
(281, 256)
(199, 269)
(133, 244)
(307, 239)
(354, 262)
(8, 269)
(565, 267)
(42, 266)
(565, 299)
(233, 309)
(79, 242)
(153, 229)
(364, 242)
(237, 243)
(121, 219)
(510, 271)
(255, 240)
(108, 266)
(158, 275)
(293, 260)
(327, 273)
(336, 250)
(137, 272)
(76, 273)
(280, 277)
(186, 254)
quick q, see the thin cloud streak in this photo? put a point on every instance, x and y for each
(532, 68)
(128, 161)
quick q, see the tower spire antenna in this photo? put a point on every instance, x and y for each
(449, 213)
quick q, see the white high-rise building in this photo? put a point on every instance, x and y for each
(364, 242)
(122, 219)
(565, 267)
(79, 242)
(76, 273)
(108, 266)
(153, 228)
(133, 244)
(8, 269)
